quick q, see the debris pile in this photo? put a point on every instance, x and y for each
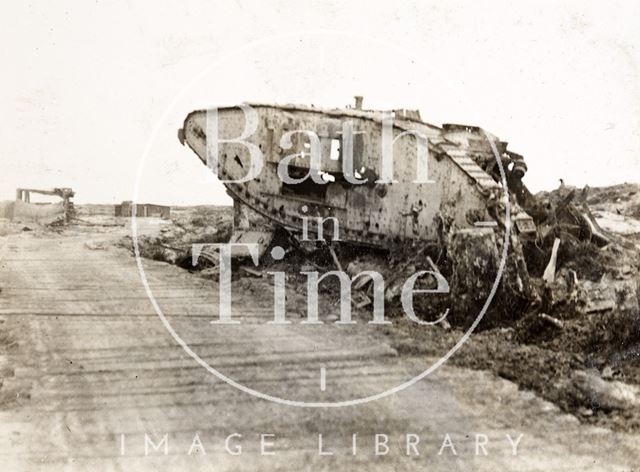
(595, 271)
(173, 244)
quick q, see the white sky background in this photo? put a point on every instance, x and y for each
(84, 84)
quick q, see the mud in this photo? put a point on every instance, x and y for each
(547, 368)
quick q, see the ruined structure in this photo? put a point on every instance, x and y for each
(23, 209)
(142, 210)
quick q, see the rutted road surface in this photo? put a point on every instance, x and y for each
(95, 370)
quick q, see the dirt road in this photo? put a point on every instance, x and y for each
(95, 371)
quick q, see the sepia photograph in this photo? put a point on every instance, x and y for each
(246, 235)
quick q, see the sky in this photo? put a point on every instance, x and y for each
(93, 92)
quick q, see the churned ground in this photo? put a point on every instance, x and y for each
(88, 369)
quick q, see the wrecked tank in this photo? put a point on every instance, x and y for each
(441, 188)
(462, 190)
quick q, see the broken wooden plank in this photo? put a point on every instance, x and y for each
(549, 275)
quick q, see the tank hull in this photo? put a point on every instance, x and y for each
(459, 192)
